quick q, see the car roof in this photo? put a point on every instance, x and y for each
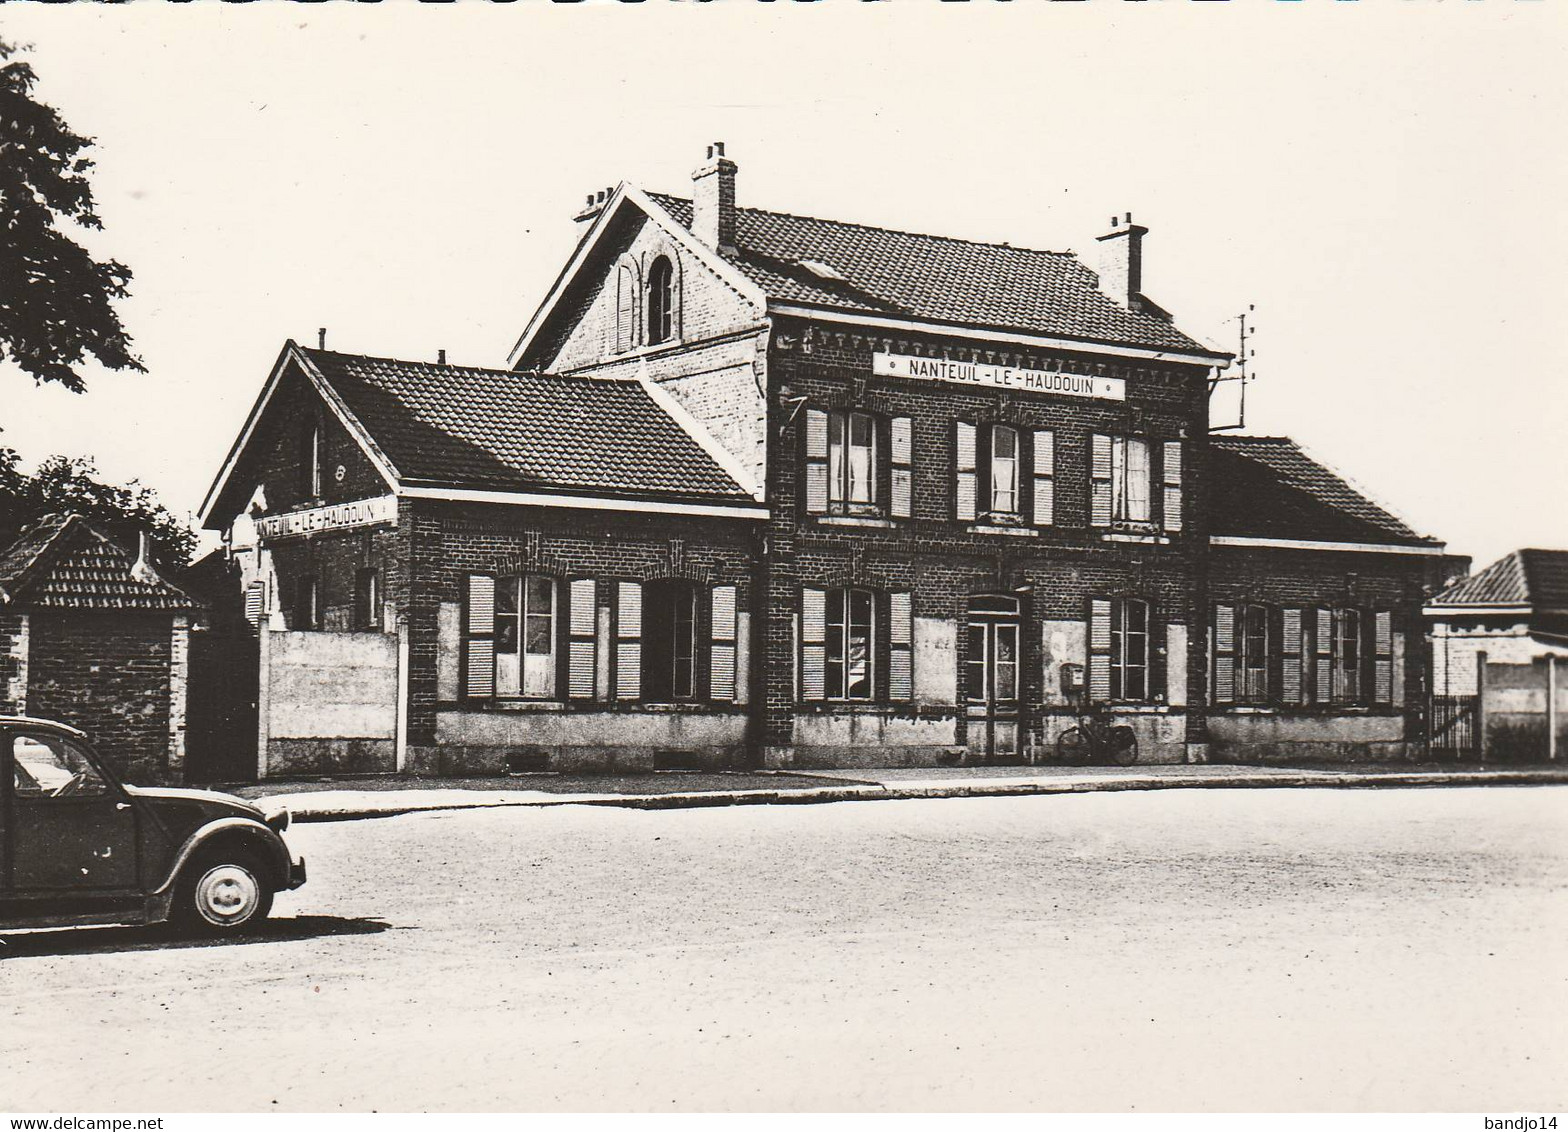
(51, 724)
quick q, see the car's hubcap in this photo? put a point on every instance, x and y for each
(227, 895)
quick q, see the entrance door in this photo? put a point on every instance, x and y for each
(991, 686)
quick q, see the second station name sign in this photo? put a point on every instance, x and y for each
(334, 517)
(999, 377)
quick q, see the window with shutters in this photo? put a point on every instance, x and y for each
(669, 641)
(852, 459)
(1118, 481)
(1243, 654)
(1119, 667)
(1003, 451)
(858, 464)
(661, 301)
(851, 657)
(846, 635)
(525, 637)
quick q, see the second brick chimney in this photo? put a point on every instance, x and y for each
(713, 201)
(1121, 261)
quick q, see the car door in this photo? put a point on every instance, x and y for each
(71, 830)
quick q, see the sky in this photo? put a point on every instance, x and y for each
(1383, 181)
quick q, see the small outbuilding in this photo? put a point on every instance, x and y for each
(1500, 659)
(92, 635)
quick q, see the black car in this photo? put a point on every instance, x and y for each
(79, 847)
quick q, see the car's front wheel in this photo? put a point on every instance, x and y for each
(223, 894)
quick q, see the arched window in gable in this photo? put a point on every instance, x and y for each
(661, 301)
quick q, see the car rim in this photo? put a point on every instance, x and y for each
(227, 895)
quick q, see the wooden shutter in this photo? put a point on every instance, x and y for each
(628, 645)
(625, 310)
(964, 471)
(479, 637)
(1099, 650)
(1044, 502)
(1170, 476)
(1224, 654)
(721, 664)
(816, 462)
(813, 643)
(1100, 480)
(1383, 657)
(901, 452)
(900, 638)
(580, 624)
(1290, 660)
(1323, 661)
(255, 601)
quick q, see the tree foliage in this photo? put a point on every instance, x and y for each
(56, 301)
(63, 484)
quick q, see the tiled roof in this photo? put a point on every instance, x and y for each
(63, 563)
(936, 278)
(1267, 487)
(1538, 578)
(457, 426)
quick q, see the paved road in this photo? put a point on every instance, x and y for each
(1230, 950)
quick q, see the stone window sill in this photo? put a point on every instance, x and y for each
(993, 529)
(856, 521)
(1137, 537)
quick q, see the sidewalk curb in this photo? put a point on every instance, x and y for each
(973, 788)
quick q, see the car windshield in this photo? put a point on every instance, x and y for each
(43, 765)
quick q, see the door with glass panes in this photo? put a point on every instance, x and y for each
(991, 679)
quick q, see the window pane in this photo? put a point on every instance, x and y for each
(50, 767)
(1006, 662)
(858, 668)
(1138, 481)
(861, 446)
(977, 663)
(837, 487)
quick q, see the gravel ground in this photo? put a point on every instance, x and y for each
(1233, 950)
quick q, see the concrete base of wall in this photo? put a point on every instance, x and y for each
(1269, 737)
(291, 758)
(1297, 753)
(460, 761)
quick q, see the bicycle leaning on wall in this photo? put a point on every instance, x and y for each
(1095, 740)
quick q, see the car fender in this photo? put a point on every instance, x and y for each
(256, 834)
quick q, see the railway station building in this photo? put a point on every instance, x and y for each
(766, 490)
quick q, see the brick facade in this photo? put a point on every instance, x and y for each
(107, 673)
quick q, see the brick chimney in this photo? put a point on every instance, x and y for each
(595, 205)
(1121, 261)
(713, 201)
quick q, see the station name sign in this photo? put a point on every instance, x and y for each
(336, 517)
(1000, 377)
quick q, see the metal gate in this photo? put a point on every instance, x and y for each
(220, 718)
(1453, 727)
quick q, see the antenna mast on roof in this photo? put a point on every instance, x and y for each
(1243, 373)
